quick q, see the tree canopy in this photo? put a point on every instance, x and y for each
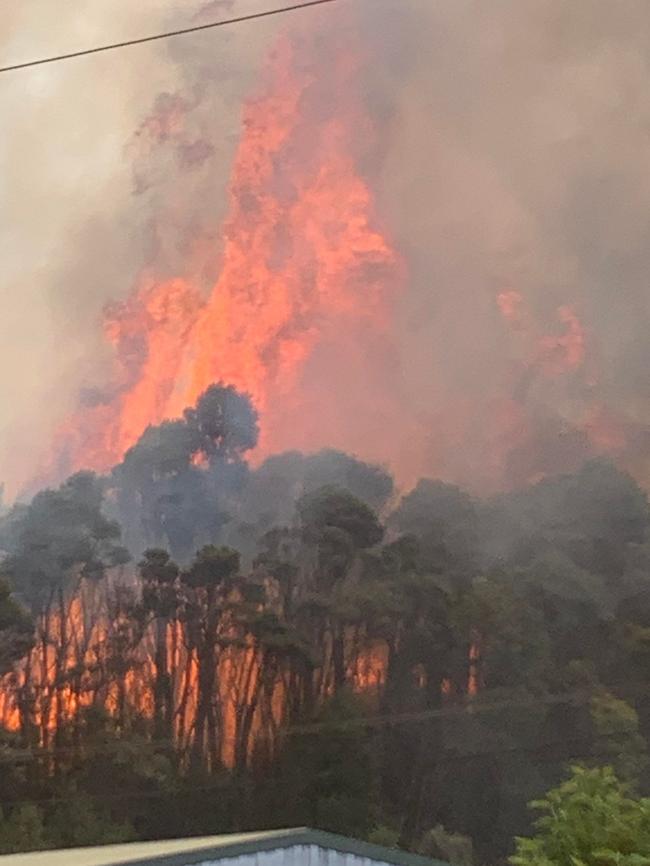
(293, 643)
(589, 820)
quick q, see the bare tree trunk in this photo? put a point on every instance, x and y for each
(44, 685)
(246, 712)
(59, 677)
(181, 710)
(163, 698)
(338, 657)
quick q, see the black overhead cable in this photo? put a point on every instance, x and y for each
(446, 756)
(237, 20)
(576, 698)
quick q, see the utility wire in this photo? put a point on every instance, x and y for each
(450, 755)
(576, 698)
(469, 708)
(155, 37)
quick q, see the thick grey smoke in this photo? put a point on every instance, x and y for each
(79, 222)
(515, 159)
(510, 156)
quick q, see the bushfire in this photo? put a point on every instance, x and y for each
(302, 260)
(303, 265)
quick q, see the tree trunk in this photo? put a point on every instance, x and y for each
(163, 701)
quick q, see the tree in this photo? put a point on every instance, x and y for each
(591, 517)
(16, 630)
(445, 521)
(62, 536)
(22, 830)
(503, 639)
(589, 820)
(130, 781)
(56, 543)
(617, 735)
(151, 483)
(173, 485)
(161, 600)
(492, 640)
(328, 775)
(269, 498)
(78, 822)
(330, 468)
(224, 423)
(339, 528)
(211, 578)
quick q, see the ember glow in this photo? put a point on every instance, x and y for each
(77, 644)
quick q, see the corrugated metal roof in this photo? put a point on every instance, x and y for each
(184, 852)
(107, 855)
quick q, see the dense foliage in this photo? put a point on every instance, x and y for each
(589, 820)
(192, 646)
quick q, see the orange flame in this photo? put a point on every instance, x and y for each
(553, 354)
(301, 260)
(82, 658)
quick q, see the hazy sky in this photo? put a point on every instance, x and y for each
(513, 155)
(71, 233)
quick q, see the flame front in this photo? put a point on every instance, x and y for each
(301, 260)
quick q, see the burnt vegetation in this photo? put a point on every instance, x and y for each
(190, 645)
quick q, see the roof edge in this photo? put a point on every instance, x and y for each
(289, 838)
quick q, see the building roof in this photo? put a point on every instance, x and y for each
(185, 852)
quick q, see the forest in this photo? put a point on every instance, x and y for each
(192, 645)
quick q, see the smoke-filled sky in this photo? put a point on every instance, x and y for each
(509, 161)
(72, 234)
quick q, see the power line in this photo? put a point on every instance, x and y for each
(576, 698)
(167, 35)
(449, 755)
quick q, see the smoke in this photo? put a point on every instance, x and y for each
(77, 229)
(514, 161)
(68, 231)
(507, 155)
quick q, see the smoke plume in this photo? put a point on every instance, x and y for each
(502, 148)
